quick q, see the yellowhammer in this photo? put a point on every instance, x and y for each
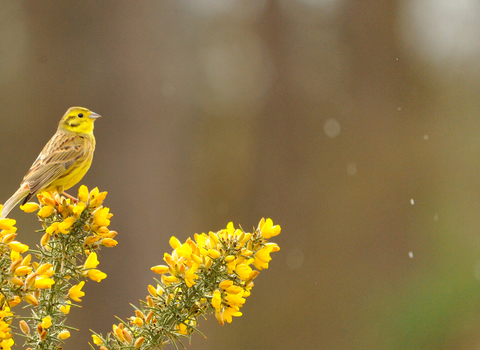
(64, 160)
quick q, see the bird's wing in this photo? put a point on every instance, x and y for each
(58, 155)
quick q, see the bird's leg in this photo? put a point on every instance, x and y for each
(75, 200)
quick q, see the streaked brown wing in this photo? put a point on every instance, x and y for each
(58, 155)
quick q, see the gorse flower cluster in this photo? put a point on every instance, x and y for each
(210, 274)
(73, 231)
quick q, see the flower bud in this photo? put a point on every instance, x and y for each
(26, 261)
(119, 334)
(45, 239)
(17, 281)
(14, 301)
(30, 280)
(15, 265)
(197, 259)
(214, 254)
(139, 342)
(91, 239)
(138, 313)
(44, 268)
(50, 202)
(160, 269)
(23, 270)
(24, 327)
(152, 290)
(225, 284)
(213, 239)
(109, 242)
(18, 247)
(9, 238)
(127, 336)
(30, 299)
(149, 317)
(138, 321)
(111, 234)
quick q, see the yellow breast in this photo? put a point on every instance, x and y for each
(76, 172)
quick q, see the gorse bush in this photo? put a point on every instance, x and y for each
(210, 274)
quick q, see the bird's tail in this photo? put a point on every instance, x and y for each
(13, 201)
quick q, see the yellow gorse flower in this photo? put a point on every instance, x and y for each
(227, 314)
(66, 308)
(45, 212)
(64, 335)
(7, 344)
(243, 271)
(30, 207)
(160, 269)
(101, 217)
(267, 229)
(75, 293)
(190, 275)
(262, 257)
(213, 273)
(97, 340)
(93, 273)
(5, 320)
(73, 229)
(43, 282)
(18, 247)
(92, 261)
(46, 322)
(96, 275)
(217, 300)
(65, 225)
(7, 224)
(83, 194)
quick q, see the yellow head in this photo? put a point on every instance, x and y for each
(79, 120)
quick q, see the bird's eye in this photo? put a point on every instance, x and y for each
(80, 115)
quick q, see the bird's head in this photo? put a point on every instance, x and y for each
(79, 120)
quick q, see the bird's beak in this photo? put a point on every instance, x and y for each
(94, 115)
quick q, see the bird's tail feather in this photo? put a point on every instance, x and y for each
(13, 201)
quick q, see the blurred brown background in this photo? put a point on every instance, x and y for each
(353, 124)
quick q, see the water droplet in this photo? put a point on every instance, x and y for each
(331, 128)
(351, 168)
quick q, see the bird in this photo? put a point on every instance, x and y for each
(64, 160)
